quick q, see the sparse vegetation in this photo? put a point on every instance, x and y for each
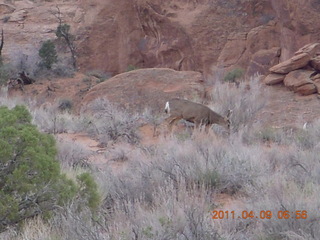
(65, 105)
(109, 123)
(6, 71)
(48, 54)
(30, 178)
(168, 190)
(244, 103)
(233, 75)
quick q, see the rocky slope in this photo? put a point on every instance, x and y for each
(210, 36)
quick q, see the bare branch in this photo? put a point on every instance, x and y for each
(2, 42)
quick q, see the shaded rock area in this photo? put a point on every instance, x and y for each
(299, 73)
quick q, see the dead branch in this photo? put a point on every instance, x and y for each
(2, 41)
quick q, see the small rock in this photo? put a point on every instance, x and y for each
(294, 63)
(274, 78)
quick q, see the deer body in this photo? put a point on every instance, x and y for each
(193, 112)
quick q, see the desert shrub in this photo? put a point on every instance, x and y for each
(233, 75)
(65, 105)
(72, 154)
(48, 54)
(51, 120)
(62, 70)
(292, 186)
(6, 71)
(88, 191)
(109, 123)
(30, 178)
(244, 101)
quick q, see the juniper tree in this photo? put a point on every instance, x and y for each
(31, 182)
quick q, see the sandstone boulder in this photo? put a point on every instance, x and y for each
(307, 89)
(315, 63)
(312, 49)
(317, 84)
(296, 62)
(274, 78)
(296, 81)
(147, 88)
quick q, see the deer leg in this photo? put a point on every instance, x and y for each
(171, 121)
(206, 129)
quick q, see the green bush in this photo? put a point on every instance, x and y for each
(63, 30)
(31, 182)
(88, 191)
(48, 54)
(233, 75)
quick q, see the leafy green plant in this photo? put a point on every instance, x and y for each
(30, 177)
(31, 182)
(88, 190)
(48, 54)
(233, 75)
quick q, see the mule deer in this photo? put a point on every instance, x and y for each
(193, 112)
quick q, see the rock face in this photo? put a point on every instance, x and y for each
(199, 35)
(294, 63)
(261, 60)
(298, 73)
(155, 84)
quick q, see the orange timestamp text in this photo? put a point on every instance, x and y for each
(263, 214)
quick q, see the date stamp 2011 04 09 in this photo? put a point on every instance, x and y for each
(263, 214)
